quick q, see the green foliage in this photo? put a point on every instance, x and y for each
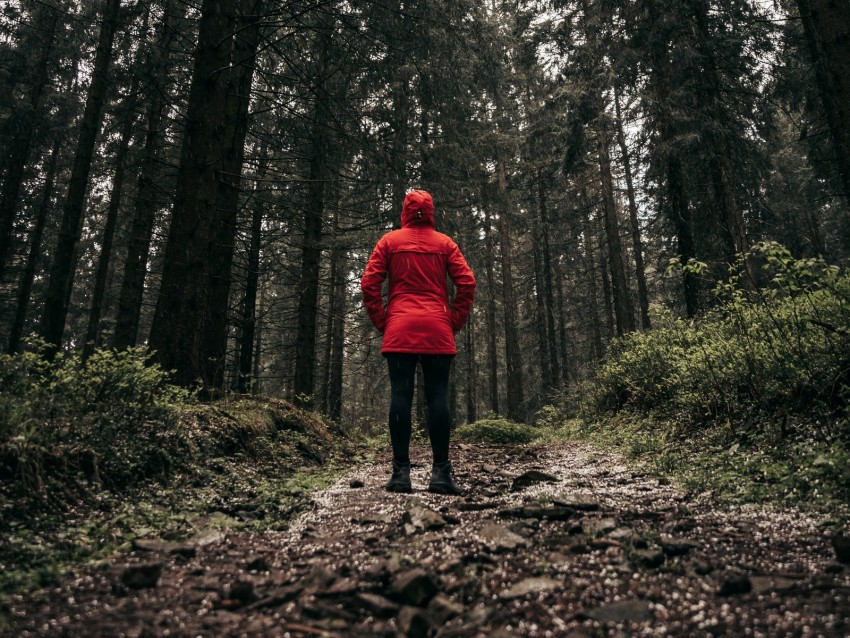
(769, 355)
(111, 418)
(496, 431)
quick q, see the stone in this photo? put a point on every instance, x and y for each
(531, 477)
(422, 518)
(581, 502)
(498, 538)
(530, 586)
(623, 611)
(554, 513)
(441, 609)
(356, 484)
(778, 584)
(277, 597)
(142, 576)
(413, 622)
(622, 534)
(377, 605)
(599, 526)
(208, 537)
(734, 583)
(241, 590)
(841, 545)
(259, 564)
(674, 546)
(414, 587)
(649, 558)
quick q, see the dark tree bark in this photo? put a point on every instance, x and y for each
(317, 155)
(241, 76)
(637, 242)
(681, 214)
(593, 292)
(513, 356)
(93, 329)
(25, 288)
(547, 280)
(62, 271)
(540, 313)
(145, 206)
(337, 358)
(492, 351)
(622, 300)
(471, 371)
(185, 305)
(827, 29)
(14, 158)
(249, 303)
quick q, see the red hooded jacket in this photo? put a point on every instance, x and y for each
(418, 317)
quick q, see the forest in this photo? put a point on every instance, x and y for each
(654, 196)
(208, 181)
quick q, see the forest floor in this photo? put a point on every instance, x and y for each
(555, 540)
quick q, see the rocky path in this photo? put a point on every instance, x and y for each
(561, 540)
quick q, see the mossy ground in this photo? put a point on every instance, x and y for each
(768, 469)
(253, 465)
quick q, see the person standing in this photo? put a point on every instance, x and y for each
(418, 325)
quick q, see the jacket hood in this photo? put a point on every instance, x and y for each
(417, 210)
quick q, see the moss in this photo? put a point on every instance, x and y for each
(253, 465)
(496, 431)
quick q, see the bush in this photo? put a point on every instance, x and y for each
(779, 354)
(496, 431)
(112, 418)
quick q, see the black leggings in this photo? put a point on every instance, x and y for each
(435, 369)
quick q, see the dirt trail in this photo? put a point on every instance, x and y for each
(562, 540)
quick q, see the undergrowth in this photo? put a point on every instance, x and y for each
(95, 456)
(750, 400)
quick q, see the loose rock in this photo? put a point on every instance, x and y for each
(414, 587)
(141, 576)
(625, 611)
(498, 538)
(532, 477)
(530, 586)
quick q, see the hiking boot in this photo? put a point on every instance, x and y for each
(400, 480)
(442, 481)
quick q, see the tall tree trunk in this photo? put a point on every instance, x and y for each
(540, 313)
(182, 317)
(471, 372)
(564, 350)
(256, 386)
(637, 243)
(622, 300)
(324, 386)
(249, 303)
(681, 214)
(14, 158)
(337, 359)
(827, 28)
(547, 280)
(317, 154)
(25, 289)
(61, 279)
(492, 351)
(145, 206)
(93, 330)
(590, 268)
(237, 102)
(513, 356)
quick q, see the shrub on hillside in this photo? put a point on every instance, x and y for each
(111, 418)
(496, 431)
(781, 351)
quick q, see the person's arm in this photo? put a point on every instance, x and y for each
(464, 281)
(370, 285)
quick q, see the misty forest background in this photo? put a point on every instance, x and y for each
(208, 179)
